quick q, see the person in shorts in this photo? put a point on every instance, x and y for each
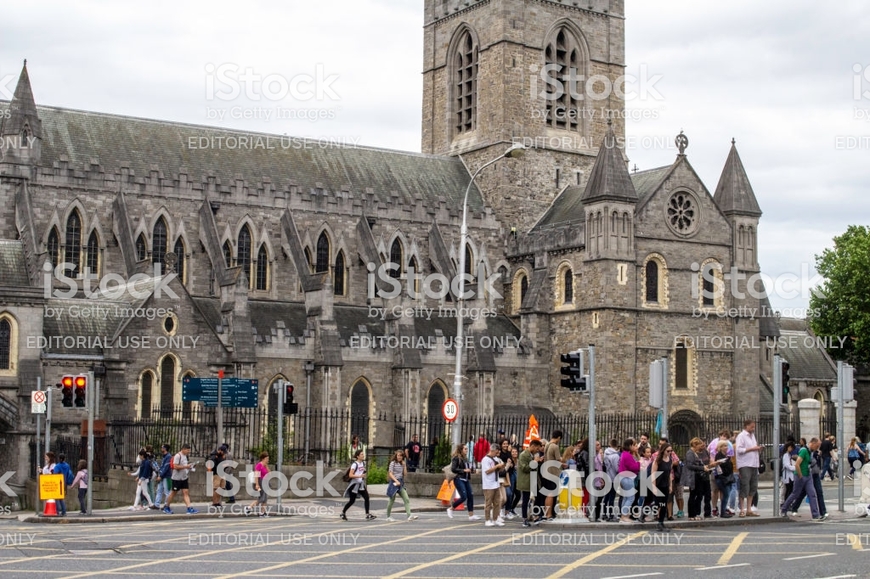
(747, 450)
(261, 469)
(180, 472)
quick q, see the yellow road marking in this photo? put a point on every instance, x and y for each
(732, 549)
(854, 541)
(454, 557)
(592, 556)
(344, 552)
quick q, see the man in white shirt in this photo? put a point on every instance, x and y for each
(747, 449)
(491, 467)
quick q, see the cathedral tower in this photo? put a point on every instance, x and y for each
(544, 73)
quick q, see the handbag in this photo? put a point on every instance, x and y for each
(761, 467)
(448, 472)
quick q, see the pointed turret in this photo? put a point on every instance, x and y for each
(734, 194)
(22, 130)
(610, 180)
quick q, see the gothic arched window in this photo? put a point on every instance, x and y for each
(563, 58)
(228, 253)
(92, 255)
(396, 259)
(159, 247)
(243, 253)
(5, 344)
(465, 64)
(322, 263)
(652, 281)
(73, 247)
(141, 248)
(53, 246)
(262, 269)
(338, 280)
(178, 250)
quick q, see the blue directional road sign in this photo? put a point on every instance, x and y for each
(235, 393)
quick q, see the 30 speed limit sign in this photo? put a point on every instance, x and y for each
(450, 410)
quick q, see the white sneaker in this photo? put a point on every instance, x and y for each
(390, 520)
(473, 518)
(412, 517)
(489, 524)
(511, 516)
(450, 512)
(499, 520)
(499, 523)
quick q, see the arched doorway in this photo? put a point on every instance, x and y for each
(360, 406)
(434, 403)
(683, 426)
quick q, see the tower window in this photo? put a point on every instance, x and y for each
(465, 62)
(652, 281)
(243, 253)
(563, 57)
(338, 278)
(569, 286)
(681, 369)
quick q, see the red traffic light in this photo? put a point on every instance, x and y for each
(289, 388)
(81, 381)
(67, 381)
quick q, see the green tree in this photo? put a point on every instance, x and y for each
(840, 306)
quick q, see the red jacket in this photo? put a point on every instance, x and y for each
(481, 448)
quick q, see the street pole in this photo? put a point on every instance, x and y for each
(48, 398)
(664, 367)
(463, 241)
(90, 395)
(777, 408)
(282, 392)
(38, 436)
(220, 409)
(591, 387)
(844, 457)
(309, 371)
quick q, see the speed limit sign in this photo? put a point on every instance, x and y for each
(450, 410)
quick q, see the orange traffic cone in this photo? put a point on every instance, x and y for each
(50, 508)
(460, 507)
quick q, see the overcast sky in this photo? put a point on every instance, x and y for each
(779, 76)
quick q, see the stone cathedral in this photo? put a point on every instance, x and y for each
(160, 250)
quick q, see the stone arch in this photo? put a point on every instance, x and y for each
(518, 288)
(716, 286)
(435, 424)
(147, 389)
(323, 251)
(8, 344)
(566, 46)
(169, 382)
(360, 402)
(655, 293)
(463, 60)
(565, 293)
(163, 212)
(683, 426)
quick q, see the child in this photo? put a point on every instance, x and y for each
(81, 480)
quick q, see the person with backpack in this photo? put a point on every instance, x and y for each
(357, 485)
(218, 482)
(462, 469)
(164, 474)
(180, 473)
(525, 472)
(143, 477)
(62, 468)
(81, 479)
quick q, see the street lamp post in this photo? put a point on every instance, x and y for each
(515, 150)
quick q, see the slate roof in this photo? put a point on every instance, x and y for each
(609, 179)
(807, 360)
(13, 264)
(734, 192)
(73, 333)
(646, 182)
(768, 325)
(116, 141)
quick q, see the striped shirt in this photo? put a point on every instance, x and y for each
(398, 470)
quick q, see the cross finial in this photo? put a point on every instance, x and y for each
(733, 141)
(635, 168)
(682, 142)
(25, 62)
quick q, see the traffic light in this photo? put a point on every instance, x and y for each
(289, 406)
(66, 386)
(784, 379)
(573, 379)
(81, 385)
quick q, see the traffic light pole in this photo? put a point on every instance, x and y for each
(47, 422)
(665, 383)
(282, 395)
(777, 408)
(38, 436)
(90, 395)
